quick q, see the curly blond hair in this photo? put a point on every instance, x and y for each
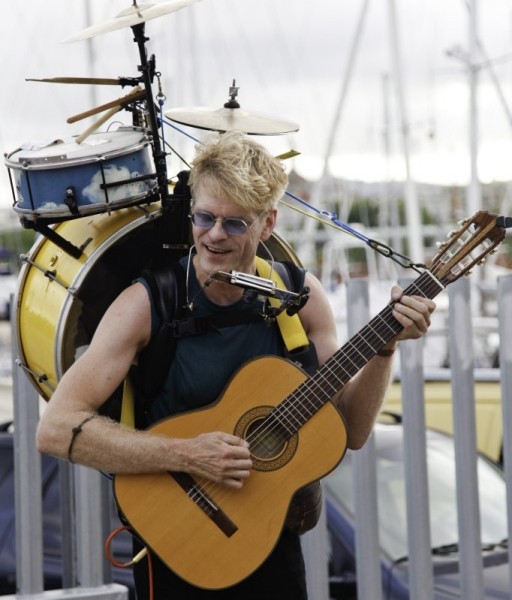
(240, 170)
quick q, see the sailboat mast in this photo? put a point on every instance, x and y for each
(474, 196)
(412, 211)
(322, 186)
(91, 55)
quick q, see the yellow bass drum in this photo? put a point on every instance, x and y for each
(61, 299)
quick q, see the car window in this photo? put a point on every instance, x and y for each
(442, 492)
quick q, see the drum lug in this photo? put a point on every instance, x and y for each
(70, 200)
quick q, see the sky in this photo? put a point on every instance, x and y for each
(290, 59)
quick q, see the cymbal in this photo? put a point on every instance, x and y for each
(227, 119)
(134, 15)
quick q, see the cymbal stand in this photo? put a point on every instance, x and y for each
(147, 70)
(176, 207)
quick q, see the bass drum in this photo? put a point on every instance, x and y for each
(61, 299)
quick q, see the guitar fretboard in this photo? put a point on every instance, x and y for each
(295, 410)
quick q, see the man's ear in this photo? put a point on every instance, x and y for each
(270, 223)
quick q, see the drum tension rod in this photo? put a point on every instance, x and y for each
(51, 274)
(41, 377)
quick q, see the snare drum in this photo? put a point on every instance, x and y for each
(60, 180)
(61, 299)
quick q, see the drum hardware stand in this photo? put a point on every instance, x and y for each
(175, 225)
(42, 227)
(110, 184)
(147, 69)
(233, 93)
(174, 230)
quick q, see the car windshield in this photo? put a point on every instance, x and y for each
(442, 492)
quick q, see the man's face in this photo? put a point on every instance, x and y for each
(218, 250)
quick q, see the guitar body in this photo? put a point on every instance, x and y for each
(217, 539)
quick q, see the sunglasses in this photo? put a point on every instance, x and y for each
(231, 225)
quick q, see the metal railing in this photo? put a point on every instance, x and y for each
(85, 571)
(421, 580)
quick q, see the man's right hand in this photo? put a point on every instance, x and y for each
(218, 456)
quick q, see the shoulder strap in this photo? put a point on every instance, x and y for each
(290, 326)
(167, 286)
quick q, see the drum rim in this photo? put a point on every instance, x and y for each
(77, 281)
(20, 359)
(61, 162)
(85, 210)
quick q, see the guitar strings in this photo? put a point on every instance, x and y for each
(431, 291)
(258, 436)
(382, 323)
(350, 351)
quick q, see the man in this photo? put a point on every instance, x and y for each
(235, 185)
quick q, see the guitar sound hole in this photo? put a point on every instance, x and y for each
(272, 445)
(267, 440)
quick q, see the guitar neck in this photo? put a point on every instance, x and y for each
(310, 396)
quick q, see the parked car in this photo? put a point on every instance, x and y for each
(8, 282)
(438, 394)
(52, 538)
(339, 493)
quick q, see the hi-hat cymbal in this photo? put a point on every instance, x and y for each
(134, 15)
(227, 119)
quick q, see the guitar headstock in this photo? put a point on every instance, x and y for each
(467, 246)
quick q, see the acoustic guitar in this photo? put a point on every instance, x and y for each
(214, 537)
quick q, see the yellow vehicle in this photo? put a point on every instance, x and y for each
(439, 410)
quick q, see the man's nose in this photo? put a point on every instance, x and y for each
(217, 231)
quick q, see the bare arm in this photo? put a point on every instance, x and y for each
(361, 398)
(105, 444)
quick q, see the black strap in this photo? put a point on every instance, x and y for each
(198, 325)
(167, 286)
(168, 289)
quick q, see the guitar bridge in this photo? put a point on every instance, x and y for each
(205, 503)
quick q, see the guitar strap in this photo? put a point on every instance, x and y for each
(291, 329)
